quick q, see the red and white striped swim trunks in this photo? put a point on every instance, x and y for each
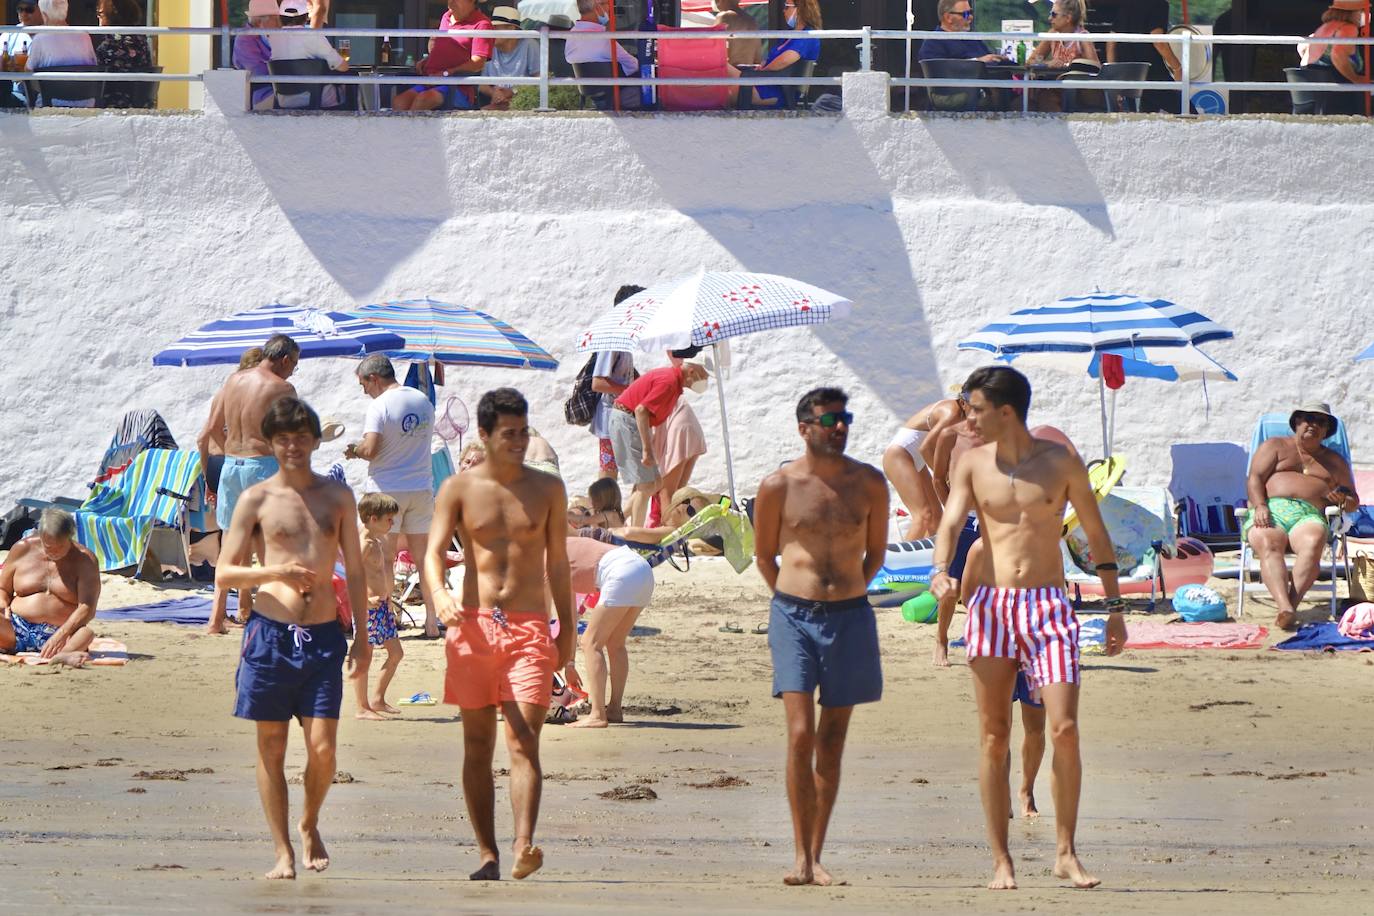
(1035, 626)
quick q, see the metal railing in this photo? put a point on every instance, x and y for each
(864, 37)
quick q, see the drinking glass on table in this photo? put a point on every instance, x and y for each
(344, 47)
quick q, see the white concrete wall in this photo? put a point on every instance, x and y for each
(120, 233)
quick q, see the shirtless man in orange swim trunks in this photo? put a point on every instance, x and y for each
(1019, 485)
(512, 521)
(49, 586)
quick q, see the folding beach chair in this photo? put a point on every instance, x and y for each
(138, 430)
(1209, 481)
(1140, 521)
(1269, 426)
(117, 520)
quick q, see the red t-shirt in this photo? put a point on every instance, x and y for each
(449, 53)
(658, 390)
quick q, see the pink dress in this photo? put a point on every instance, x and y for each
(679, 438)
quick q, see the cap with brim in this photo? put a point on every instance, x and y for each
(330, 429)
(506, 15)
(1320, 407)
(258, 8)
(291, 8)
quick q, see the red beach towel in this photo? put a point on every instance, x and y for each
(1149, 634)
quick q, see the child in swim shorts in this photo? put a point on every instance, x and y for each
(1036, 627)
(377, 511)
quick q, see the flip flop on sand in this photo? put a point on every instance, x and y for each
(418, 699)
(760, 629)
(729, 627)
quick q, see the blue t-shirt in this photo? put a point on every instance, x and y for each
(951, 48)
(806, 48)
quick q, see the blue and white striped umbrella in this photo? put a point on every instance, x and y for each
(1096, 322)
(320, 333)
(455, 334)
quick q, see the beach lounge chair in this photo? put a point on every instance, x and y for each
(1140, 521)
(137, 431)
(117, 520)
(1209, 481)
(1269, 426)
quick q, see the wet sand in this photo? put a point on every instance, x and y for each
(1251, 807)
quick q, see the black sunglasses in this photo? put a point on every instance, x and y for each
(27, 7)
(1313, 419)
(832, 419)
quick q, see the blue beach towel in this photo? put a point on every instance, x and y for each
(191, 612)
(1324, 637)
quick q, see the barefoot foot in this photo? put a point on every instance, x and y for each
(71, 659)
(1068, 867)
(527, 861)
(385, 708)
(490, 871)
(615, 715)
(216, 629)
(285, 869)
(1286, 620)
(1028, 809)
(433, 632)
(313, 854)
(371, 715)
(588, 722)
(799, 876)
(1003, 877)
(820, 876)
(941, 655)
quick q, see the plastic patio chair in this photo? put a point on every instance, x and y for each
(1115, 100)
(1305, 101)
(1140, 521)
(51, 91)
(953, 98)
(144, 95)
(601, 97)
(304, 67)
(696, 59)
(1269, 426)
(116, 521)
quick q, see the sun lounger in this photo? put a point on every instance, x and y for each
(1209, 482)
(1269, 426)
(117, 521)
(1140, 521)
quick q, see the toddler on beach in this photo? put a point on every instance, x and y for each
(378, 513)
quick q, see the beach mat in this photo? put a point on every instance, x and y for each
(104, 652)
(190, 611)
(1152, 634)
(1324, 637)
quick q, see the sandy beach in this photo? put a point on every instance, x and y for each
(1216, 782)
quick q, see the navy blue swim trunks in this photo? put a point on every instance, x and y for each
(832, 645)
(967, 536)
(1023, 693)
(287, 670)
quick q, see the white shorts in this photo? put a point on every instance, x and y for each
(625, 579)
(910, 439)
(416, 512)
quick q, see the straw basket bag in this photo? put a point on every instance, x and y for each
(1362, 572)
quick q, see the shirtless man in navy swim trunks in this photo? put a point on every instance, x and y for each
(49, 586)
(294, 649)
(825, 515)
(1019, 486)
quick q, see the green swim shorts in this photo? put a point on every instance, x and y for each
(1287, 513)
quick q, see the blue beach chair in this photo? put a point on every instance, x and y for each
(117, 520)
(1269, 426)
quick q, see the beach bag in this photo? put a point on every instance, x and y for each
(579, 409)
(1199, 604)
(1361, 575)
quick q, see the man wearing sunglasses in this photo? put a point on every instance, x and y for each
(16, 44)
(955, 16)
(825, 516)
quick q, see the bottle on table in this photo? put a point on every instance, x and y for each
(386, 50)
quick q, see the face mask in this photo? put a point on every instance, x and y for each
(603, 19)
(699, 386)
(792, 21)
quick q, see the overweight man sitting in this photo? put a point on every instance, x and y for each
(1293, 479)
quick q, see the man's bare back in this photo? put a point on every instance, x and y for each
(243, 402)
(823, 530)
(301, 528)
(47, 591)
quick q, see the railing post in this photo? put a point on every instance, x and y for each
(226, 52)
(866, 49)
(1185, 66)
(544, 69)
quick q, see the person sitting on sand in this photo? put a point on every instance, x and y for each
(625, 581)
(49, 587)
(1292, 481)
(294, 651)
(377, 512)
(908, 459)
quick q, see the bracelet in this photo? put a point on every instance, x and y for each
(1115, 604)
(1103, 567)
(939, 568)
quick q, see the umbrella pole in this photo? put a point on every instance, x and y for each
(1102, 401)
(1113, 426)
(724, 426)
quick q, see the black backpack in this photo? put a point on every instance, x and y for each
(581, 406)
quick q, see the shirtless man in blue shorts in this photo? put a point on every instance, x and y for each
(49, 586)
(294, 650)
(825, 515)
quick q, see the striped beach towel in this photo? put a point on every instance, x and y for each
(118, 517)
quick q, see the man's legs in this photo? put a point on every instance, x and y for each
(601, 628)
(915, 490)
(830, 735)
(1061, 711)
(272, 791)
(801, 782)
(321, 739)
(1308, 541)
(1032, 752)
(479, 744)
(523, 723)
(1269, 545)
(417, 544)
(994, 680)
(637, 506)
(605, 459)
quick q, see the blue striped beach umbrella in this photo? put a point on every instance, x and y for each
(454, 334)
(1154, 337)
(320, 333)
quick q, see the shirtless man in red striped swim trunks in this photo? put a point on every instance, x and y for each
(513, 523)
(1019, 485)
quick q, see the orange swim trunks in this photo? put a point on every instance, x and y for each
(498, 656)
